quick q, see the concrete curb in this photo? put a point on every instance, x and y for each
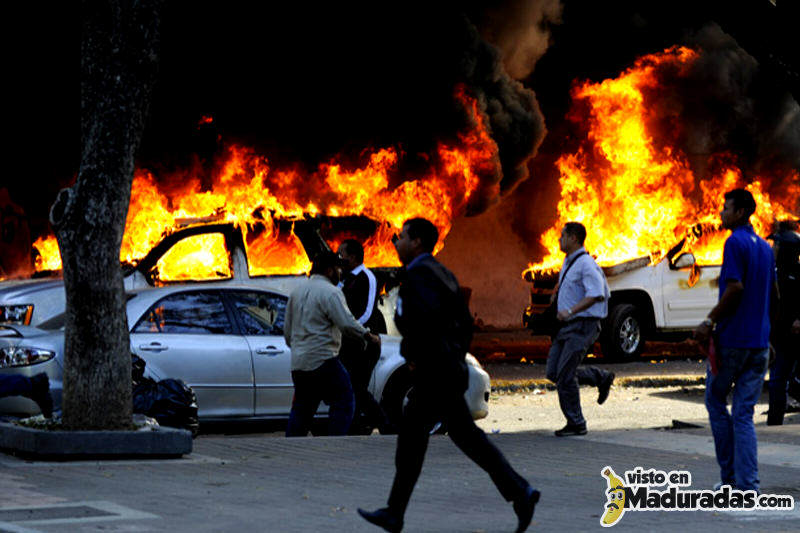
(66, 445)
(525, 385)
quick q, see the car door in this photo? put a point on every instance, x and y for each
(260, 315)
(189, 335)
(689, 294)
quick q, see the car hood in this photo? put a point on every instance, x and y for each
(19, 288)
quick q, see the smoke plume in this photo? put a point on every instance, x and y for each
(516, 122)
(725, 104)
(521, 30)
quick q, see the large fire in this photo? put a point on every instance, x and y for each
(249, 192)
(637, 195)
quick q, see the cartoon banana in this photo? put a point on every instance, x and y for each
(615, 507)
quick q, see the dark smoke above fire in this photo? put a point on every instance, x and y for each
(352, 78)
(739, 98)
(727, 104)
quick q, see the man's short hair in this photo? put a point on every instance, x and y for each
(577, 230)
(788, 225)
(742, 199)
(354, 248)
(424, 230)
(323, 261)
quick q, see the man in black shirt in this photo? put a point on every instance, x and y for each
(786, 245)
(437, 326)
(361, 293)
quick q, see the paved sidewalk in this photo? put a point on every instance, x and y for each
(249, 483)
(508, 376)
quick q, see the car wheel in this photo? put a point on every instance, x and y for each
(623, 340)
(395, 397)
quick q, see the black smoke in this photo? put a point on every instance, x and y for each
(304, 86)
(740, 97)
(728, 104)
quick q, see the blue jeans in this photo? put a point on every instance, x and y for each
(331, 383)
(735, 443)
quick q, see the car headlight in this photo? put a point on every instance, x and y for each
(16, 314)
(23, 356)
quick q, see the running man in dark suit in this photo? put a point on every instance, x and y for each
(436, 326)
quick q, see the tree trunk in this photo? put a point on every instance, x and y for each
(118, 65)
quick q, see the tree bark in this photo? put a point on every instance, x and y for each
(119, 59)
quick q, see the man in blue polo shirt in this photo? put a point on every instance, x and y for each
(748, 296)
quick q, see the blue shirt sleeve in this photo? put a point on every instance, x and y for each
(733, 265)
(593, 282)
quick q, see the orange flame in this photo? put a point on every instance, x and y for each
(637, 197)
(247, 191)
(49, 256)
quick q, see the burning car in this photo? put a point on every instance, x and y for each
(628, 176)
(174, 259)
(215, 359)
(670, 296)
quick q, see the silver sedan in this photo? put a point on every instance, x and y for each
(225, 341)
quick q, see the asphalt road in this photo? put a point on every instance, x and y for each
(249, 483)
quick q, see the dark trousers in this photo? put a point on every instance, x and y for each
(360, 363)
(426, 407)
(568, 350)
(330, 383)
(15, 385)
(783, 367)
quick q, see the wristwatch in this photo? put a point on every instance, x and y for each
(569, 311)
(708, 322)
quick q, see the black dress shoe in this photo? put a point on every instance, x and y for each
(383, 518)
(570, 430)
(40, 393)
(524, 508)
(604, 388)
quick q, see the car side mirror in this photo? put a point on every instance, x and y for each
(684, 260)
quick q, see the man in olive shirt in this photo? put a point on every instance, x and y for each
(316, 317)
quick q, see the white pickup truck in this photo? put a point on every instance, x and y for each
(668, 298)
